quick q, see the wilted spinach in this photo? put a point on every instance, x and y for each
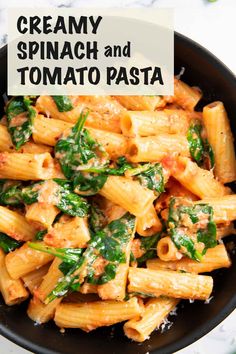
(20, 116)
(63, 103)
(180, 230)
(200, 149)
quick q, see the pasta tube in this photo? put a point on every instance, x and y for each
(15, 225)
(104, 111)
(27, 166)
(49, 130)
(186, 96)
(129, 194)
(114, 144)
(155, 148)
(155, 311)
(68, 233)
(24, 260)
(33, 279)
(41, 215)
(50, 280)
(115, 289)
(199, 181)
(12, 290)
(89, 316)
(214, 258)
(224, 208)
(167, 251)
(6, 144)
(148, 123)
(149, 223)
(140, 103)
(221, 139)
(169, 283)
(41, 313)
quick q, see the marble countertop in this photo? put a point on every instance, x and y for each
(210, 24)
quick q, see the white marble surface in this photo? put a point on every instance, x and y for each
(214, 26)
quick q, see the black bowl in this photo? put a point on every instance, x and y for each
(194, 320)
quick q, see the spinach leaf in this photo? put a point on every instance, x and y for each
(97, 219)
(65, 267)
(30, 194)
(149, 245)
(209, 155)
(20, 116)
(68, 255)
(200, 149)
(63, 103)
(208, 235)
(72, 259)
(107, 245)
(67, 283)
(150, 176)
(181, 240)
(65, 199)
(69, 202)
(88, 183)
(122, 165)
(8, 244)
(89, 180)
(182, 222)
(40, 235)
(79, 149)
(108, 274)
(149, 242)
(11, 193)
(110, 244)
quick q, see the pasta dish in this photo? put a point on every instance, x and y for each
(113, 209)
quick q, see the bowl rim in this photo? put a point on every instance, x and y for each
(209, 325)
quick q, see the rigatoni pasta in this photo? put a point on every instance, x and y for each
(41, 215)
(186, 96)
(105, 111)
(49, 130)
(15, 225)
(69, 232)
(224, 208)
(89, 316)
(149, 223)
(26, 166)
(169, 283)
(33, 279)
(40, 312)
(6, 144)
(140, 103)
(155, 148)
(12, 290)
(221, 139)
(24, 260)
(167, 251)
(198, 180)
(214, 258)
(146, 123)
(128, 194)
(111, 207)
(154, 313)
